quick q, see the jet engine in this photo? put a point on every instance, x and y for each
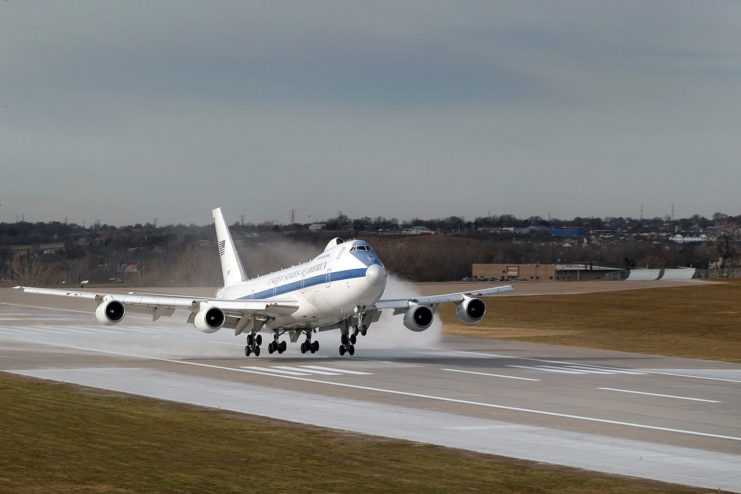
(471, 310)
(209, 319)
(419, 317)
(110, 311)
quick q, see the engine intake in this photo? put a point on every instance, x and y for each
(110, 311)
(209, 319)
(471, 310)
(419, 317)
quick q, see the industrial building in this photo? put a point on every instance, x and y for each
(546, 272)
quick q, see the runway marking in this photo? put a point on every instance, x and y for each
(491, 375)
(266, 371)
(304, 370)
(343, 371)
(693, 377)
(427, 397)
(659, 395)
(546, 368)
(579, 369)
(617, 370)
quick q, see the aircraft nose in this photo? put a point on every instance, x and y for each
(376, 275)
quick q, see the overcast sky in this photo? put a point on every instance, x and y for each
(124, 112)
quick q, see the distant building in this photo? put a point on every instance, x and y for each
(546, 272)
(514, 272)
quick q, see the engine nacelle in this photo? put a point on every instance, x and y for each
(471, 310)
(110, 311)
(209, 319)
(419, 317)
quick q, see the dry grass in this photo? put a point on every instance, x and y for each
(60, 438)
(702, 321)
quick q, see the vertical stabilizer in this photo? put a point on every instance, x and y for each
(231, 266)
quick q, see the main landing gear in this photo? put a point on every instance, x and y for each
(348, 340)
(277, 346)
(253, 345)
(348, 344)
(309, 346)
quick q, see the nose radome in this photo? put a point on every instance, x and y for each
(376, 275)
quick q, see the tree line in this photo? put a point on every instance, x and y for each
(53, 253)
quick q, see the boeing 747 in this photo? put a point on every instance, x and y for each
(341, 289)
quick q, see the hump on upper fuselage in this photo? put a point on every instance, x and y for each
(333, 243)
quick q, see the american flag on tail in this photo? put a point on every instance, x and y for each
(222, 247)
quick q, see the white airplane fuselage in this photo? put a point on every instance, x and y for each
(344, 279)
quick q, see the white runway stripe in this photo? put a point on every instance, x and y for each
(578, 369)
(545, 368)
(304, 370)
(270, 371)
(491, 375)
(341, 371)
(608, 370)
(658, 395)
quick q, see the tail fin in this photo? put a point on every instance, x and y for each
(231, 266)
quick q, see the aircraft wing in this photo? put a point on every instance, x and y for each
(401, 305)
(165, 305)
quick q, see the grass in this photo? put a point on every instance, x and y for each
(61, 438)
(702, 321)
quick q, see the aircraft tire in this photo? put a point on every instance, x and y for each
(343, 339)
(363, 330)
(257, 351)
(271, 348)
(258, 339)
(351, 349)
(282, 346)
(342, 350)
(247, 351)
(353, 339)
(315, 347)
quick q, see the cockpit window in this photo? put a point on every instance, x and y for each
(361, 247)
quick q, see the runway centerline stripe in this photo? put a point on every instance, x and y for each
(427, 397)
(659, 395)
(491, 375)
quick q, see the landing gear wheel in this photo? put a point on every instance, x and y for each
(271, 347)
(342, 350)
(314, 347)
(247, 351)
(343, 339)
(282, 347)
(257, 351)
(351, 349)
(303, 347)
(363, 330)
(258, 339)
(353, 339)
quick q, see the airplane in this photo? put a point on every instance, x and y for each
(341, 289)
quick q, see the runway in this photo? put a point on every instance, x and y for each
(668, 419)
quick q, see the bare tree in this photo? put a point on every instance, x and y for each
(28, 269)
(726, 249)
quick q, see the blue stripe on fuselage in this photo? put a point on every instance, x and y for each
(308, 282)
